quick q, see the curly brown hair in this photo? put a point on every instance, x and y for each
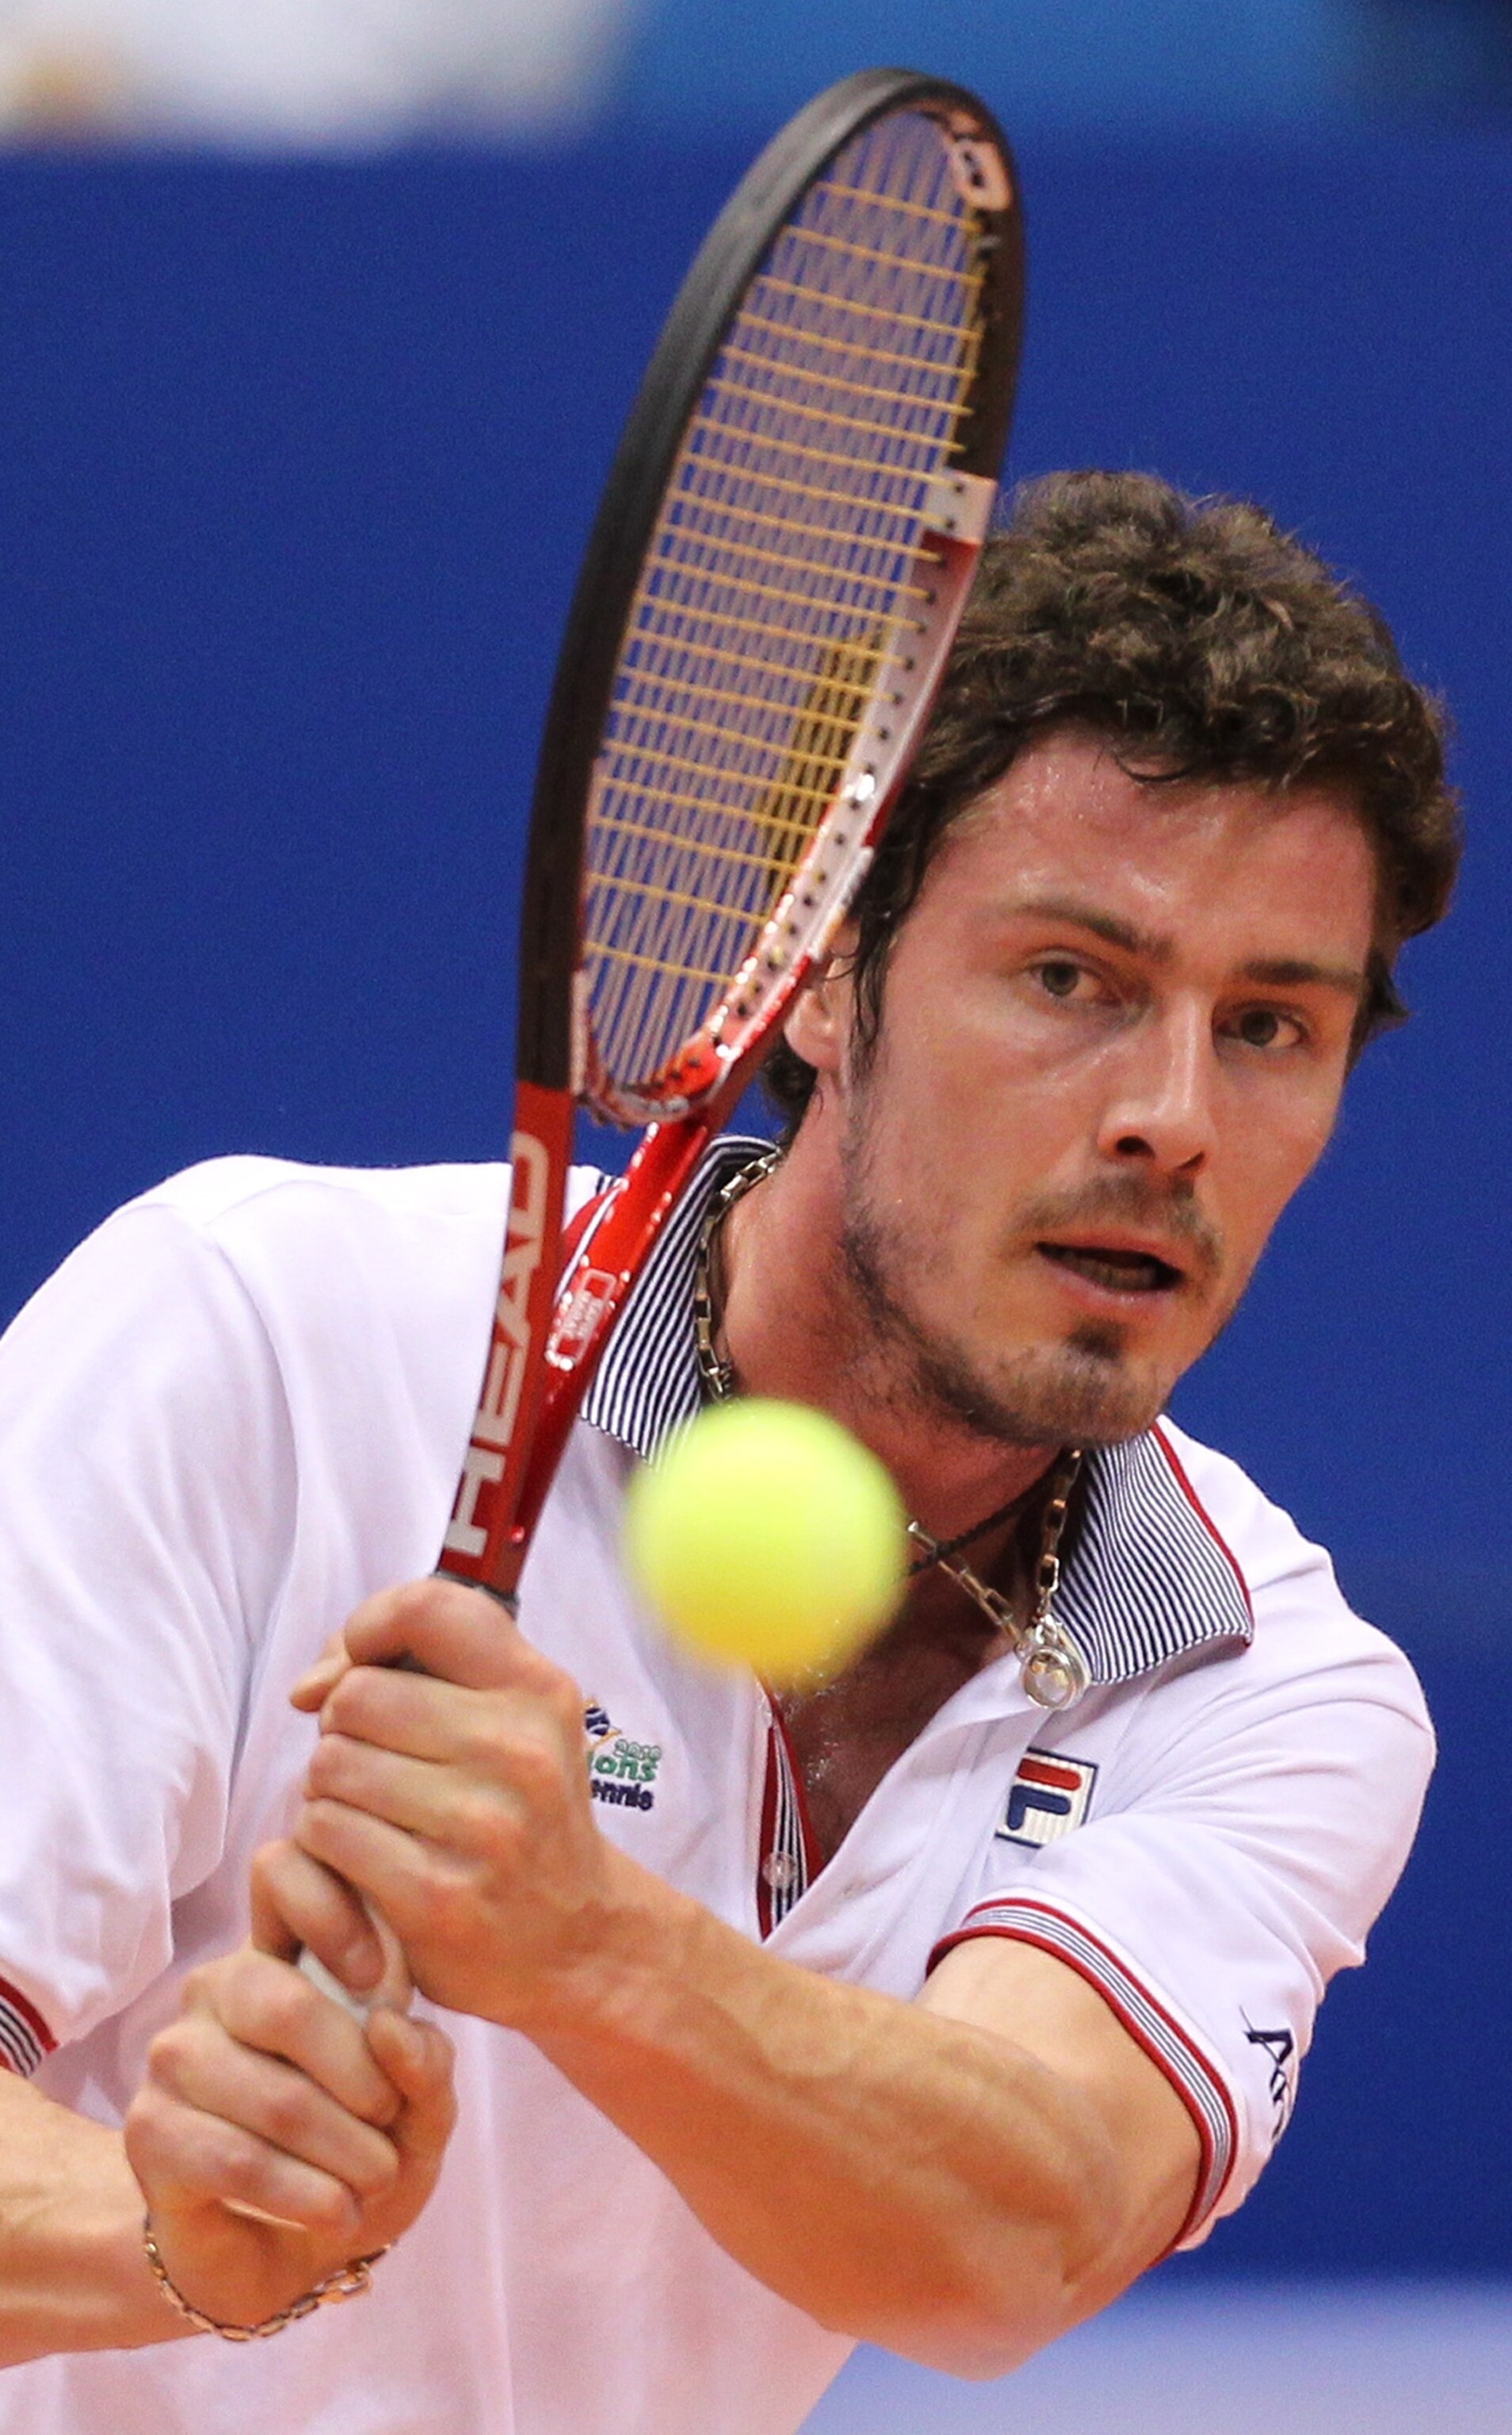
(1206, 644)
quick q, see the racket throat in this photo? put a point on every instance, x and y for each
(479, 1544)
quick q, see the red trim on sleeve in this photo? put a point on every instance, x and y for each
(1125, 1995)
(33, 2027)
(1203, 1515)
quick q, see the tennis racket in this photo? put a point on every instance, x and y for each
(760, 625)
(760, 622)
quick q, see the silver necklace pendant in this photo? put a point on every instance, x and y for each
(1052, 1668)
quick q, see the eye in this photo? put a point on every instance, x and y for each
(1265, 1026)
(1060, 975)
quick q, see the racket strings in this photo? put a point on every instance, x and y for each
(786, 567)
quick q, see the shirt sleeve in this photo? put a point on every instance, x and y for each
(1240, 1841)
(145, 1513)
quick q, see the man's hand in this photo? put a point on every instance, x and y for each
(456, 1799)
(266, 2095)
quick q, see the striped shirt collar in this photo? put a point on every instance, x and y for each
(1147, 1578)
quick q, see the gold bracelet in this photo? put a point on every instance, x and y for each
(347, 2283)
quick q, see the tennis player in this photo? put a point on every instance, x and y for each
(929, 2005)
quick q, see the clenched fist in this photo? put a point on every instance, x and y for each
(275, 2136)
(451, 1793)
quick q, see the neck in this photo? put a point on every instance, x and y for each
(793, 1326)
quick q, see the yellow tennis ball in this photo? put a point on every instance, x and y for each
(766, 1535)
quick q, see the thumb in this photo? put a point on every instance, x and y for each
(315, 1685)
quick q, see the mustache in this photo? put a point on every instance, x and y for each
(1130, 1201)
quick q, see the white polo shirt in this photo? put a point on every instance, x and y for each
(237, 1411)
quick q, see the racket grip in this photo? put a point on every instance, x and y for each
(329, 1984)
(395, 1988)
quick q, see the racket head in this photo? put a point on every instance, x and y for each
(762, 614)
(769, 590)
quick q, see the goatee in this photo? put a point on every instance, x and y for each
(1077, 1392)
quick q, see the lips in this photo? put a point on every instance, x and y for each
(1115, 1268)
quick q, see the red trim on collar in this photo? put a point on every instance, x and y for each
(813, 1857)
(767, 1831)
(780, 1749)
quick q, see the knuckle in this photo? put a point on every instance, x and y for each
(328, 2207)
(318, 1826)
(494, 1837)
(379, 2170)
(382, 2111)
(197, 1987)
(566, 1704)
(273, 1865)
(234, 2164)
(415, 1605)
(286, 2003)
(534, 1767)
(451, 1910)
(537, 1759)
(169, 2052)
(145, 2118)
(283, 2109)
(327, 1767)
(545, 1678)
(346, 1704)
(485, 1740)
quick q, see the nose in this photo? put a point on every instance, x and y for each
(1158, 1113)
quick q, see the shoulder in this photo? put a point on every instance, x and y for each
(1306, 1635)
(333, 1235)
(370, 1280)
(232, 1200)
(284, 1249)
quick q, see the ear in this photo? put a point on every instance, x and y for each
(818, 1025)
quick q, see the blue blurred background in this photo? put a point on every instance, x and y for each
(301, 423)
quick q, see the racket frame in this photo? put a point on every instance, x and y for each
(549, 1330)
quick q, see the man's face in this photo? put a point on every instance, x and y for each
(1115, 1029)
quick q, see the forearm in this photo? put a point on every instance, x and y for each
(72, 2276)
(907, 2179)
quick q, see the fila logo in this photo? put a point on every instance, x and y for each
(483, 1466)
(1048, 1798)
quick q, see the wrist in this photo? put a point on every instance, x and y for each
(75, 2275)
(349, 2281)
(631, 1953)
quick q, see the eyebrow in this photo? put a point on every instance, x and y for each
(1271, 972)
(1294, 971)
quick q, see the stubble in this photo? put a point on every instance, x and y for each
(1085, 1389)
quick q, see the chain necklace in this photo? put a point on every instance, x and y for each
(1051, 1667)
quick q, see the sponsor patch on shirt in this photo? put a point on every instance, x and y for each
(1048, 1798)
(620, 1772)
